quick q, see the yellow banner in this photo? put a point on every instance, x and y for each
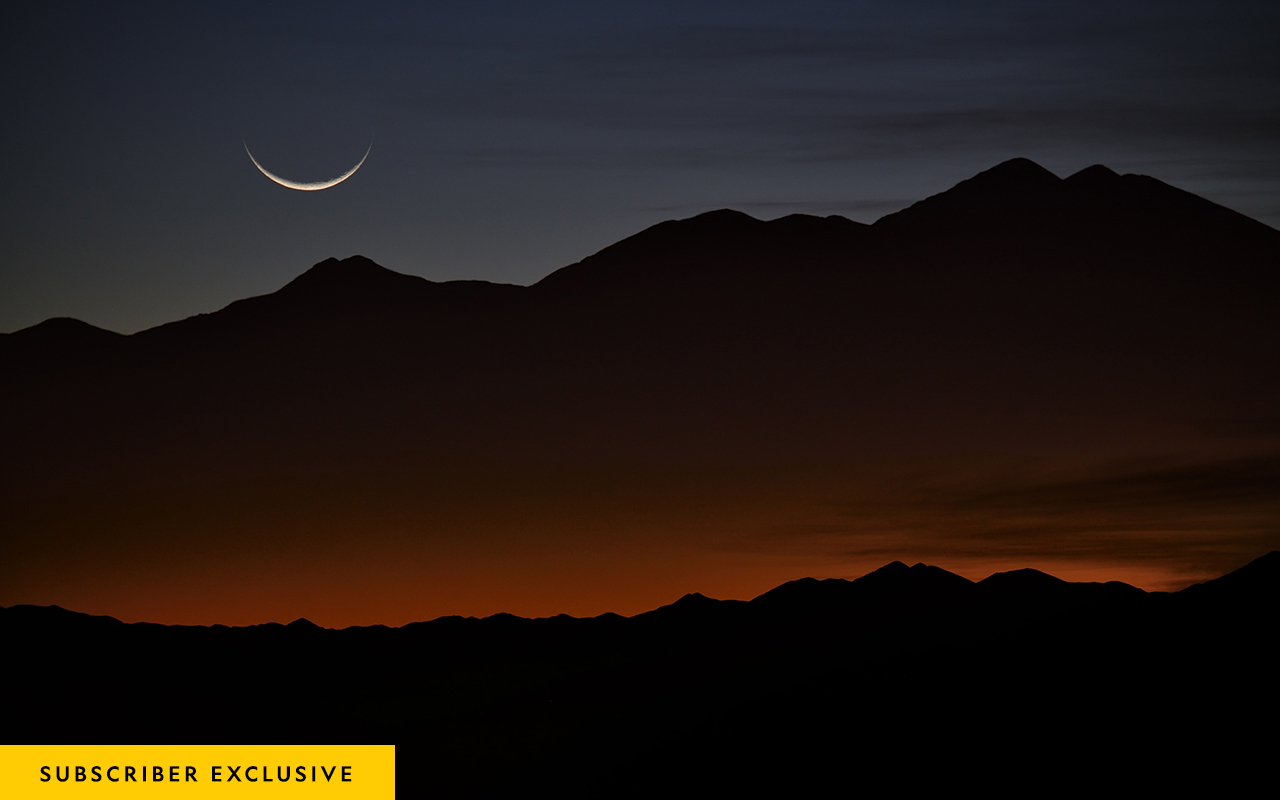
(196, 771)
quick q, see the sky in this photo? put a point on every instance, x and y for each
(510, 139)
(507, 140)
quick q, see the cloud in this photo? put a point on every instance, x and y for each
(777, 208)
(1182, 489)
(826, 84)
(1194, 519)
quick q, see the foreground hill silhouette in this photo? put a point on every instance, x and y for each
(907, 668)
(1022, 364)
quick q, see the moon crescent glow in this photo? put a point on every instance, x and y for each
(308, 187)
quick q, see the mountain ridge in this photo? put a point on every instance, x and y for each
(1259, 577)
(765, 370)
(1006, 187)
(500, 702)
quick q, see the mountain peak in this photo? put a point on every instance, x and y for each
(1007, 181)
(723, 216)
(694, 599)
(692, 606)
(1017, 170)
(66, 328)
(1022, 579)
(350, 277)
(919, 576)
(1094, 174)
(56, 343)
(355, 268)
(1007, 189)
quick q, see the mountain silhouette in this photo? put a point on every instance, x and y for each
(1256, 582)
(779, 371)
(901, 664)
(767, 322)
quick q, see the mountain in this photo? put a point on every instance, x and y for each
(901, 665)
(718, 375)
(1257, 582)
(1118, 281)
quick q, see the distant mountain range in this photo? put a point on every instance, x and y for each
(903, 668)
(1018, 318)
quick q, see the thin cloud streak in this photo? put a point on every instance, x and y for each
(1194, 520)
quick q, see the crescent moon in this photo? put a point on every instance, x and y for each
(308, 187)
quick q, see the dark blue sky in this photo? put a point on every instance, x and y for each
(510, 139)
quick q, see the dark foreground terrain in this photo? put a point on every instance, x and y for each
(908, 674)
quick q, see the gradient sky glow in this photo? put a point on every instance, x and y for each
(1106, 411)
(515, 138)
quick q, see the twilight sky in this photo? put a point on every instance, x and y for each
(510, 139)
